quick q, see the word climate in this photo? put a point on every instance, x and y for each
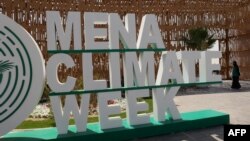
(138, 68)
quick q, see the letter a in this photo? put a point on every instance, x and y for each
(231, 132)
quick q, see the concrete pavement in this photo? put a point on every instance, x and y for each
(221, 98)
(236, 104)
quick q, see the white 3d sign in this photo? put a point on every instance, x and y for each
(137, 71)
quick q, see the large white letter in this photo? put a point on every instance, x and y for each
(206, 67)
(62, 114)
(139, 73)
(188, 60)
(106, 110)
(91, 33)
(117, 31)
(149, 33)
(55, 29)
(52, 76)
(169, 70)
(133, 107)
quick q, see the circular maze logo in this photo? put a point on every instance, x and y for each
(22, 74)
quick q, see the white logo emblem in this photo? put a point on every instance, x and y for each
(22, 75)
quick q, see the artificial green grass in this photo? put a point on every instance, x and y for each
(29, 124)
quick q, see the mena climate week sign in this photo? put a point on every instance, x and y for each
(22, 85)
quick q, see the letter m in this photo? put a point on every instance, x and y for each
(56, 32)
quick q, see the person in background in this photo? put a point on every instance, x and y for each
(235, 76)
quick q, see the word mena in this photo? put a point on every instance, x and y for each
(137, 65)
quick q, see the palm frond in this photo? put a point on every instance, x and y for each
(199, 39)
(211, 41)
(5, 65)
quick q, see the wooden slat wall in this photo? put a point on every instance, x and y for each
(175, 17)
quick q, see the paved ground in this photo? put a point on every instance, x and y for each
(218, 97)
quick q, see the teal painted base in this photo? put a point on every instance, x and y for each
(190, 121)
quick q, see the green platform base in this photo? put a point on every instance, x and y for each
(190, 121)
